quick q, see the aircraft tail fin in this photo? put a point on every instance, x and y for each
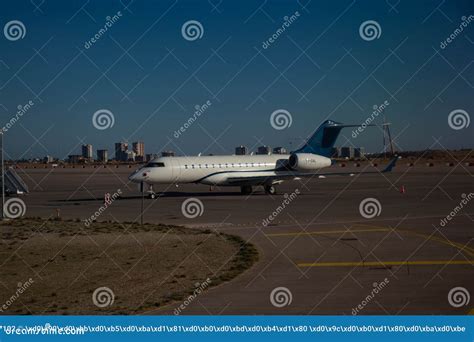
(323, 139)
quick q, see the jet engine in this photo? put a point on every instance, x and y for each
(308, 162)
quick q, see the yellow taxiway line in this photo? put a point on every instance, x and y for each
(371, 228)
(461, 247)
(386, 263)
(331, 232)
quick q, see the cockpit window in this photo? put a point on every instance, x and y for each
(155, 164)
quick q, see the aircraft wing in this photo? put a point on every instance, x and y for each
(261, 180)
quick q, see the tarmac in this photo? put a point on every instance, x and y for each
(319, 252)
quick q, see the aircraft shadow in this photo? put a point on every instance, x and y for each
(166, 194)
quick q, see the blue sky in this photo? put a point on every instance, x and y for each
(150, 78)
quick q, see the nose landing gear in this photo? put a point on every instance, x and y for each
(151, 192)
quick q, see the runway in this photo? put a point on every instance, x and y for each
(314, 243)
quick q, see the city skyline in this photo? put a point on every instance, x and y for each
(212, 93)
(138, 148)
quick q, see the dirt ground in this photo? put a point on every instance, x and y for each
(54, 267)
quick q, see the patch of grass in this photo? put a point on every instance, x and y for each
(161, 251)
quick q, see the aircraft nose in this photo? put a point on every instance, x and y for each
(138, 176)
(132, 177)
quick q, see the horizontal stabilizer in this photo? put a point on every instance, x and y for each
(323, 139)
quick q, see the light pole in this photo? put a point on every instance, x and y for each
(142, 188)
(3, 175)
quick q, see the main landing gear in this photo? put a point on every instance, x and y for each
(247, 189)
(270, 189)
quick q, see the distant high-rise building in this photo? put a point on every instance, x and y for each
(167, 154)
(264, 150)
(103, 156)
(139, 148)
(130, 156)
(48, 159)
(87, 151)
(347, 152)
(280, 150)
(336, 152)
(241, 150)
(359, 152)
(121, 149)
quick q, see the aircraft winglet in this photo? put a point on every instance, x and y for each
(390, 165)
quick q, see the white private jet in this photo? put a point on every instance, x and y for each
(247, 171)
